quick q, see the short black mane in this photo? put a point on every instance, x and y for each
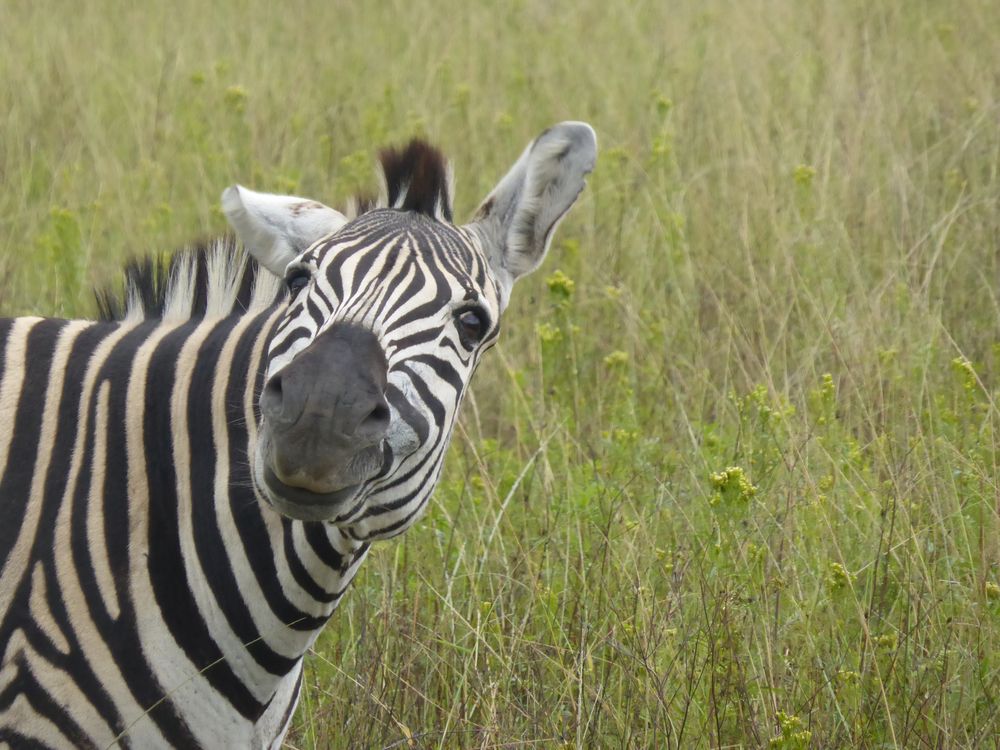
(213, 277)
(417, 178)
(218, 277)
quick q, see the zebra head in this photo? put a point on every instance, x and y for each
(387, 316)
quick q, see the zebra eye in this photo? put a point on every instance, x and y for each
(472, 326)
(297, 280)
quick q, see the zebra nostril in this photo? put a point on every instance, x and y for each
(272, 400)
(380, 414)
(376, 422)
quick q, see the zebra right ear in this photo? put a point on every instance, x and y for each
(518, 218)
(276, 229)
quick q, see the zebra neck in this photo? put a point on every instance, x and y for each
(263, 585)
(126, 500)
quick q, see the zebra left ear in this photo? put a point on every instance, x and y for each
(275, 229)
(518, 218)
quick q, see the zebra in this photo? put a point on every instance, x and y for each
(189, 485)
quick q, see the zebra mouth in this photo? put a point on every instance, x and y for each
(316, 501)
(305, 505)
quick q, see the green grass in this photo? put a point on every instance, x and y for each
(786, 262)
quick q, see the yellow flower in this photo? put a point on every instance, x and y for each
(732, 484)
(236, 97)
(560, 285)
(792, 735)
(848, 676)
(662, 102)
(964, 369)
(616, 359)
(548, 333)
(837, 576)
(803, 174)
(887, 641)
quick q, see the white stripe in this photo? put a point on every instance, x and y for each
(225, 271)
(246, 669)
(17, 561)
(202, 707)
(95, 507)
(94, 650)
(275, 633)
(38, 606)
(13, 378)
(63, 693)
(179, 297)
(26, 721)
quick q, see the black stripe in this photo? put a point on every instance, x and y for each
(404, 523)
(300, 332)
(14, 494)
(75, 664)
(292, 703)
(209, 541)
(261, 556)
(243, 504)
(119, 634)
(114, 370)
(39, 699)
(317, 315)
(171, 586)
(444, 370)
(319, 541)
(298, 569)
(247, 282)
(199, 302)
(431, 401)
(415, 285)
(20, 742)
(434, 452)
(5, 325)
(15, 486)
(415, 339)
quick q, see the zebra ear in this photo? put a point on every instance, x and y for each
(517, 219)
(275, 229)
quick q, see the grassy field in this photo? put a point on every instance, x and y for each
(731, 477)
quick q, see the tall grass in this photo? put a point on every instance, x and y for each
(730, 479)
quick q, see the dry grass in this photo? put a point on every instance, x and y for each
(787, 190)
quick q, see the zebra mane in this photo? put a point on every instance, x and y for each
(218, 278)
(417, 178)
(213, 279)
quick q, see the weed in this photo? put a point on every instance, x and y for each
(730, 476)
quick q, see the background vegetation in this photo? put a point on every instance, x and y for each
(730, 479)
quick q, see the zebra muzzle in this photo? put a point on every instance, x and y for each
(325, 415)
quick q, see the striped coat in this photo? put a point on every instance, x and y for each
(188, 487)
